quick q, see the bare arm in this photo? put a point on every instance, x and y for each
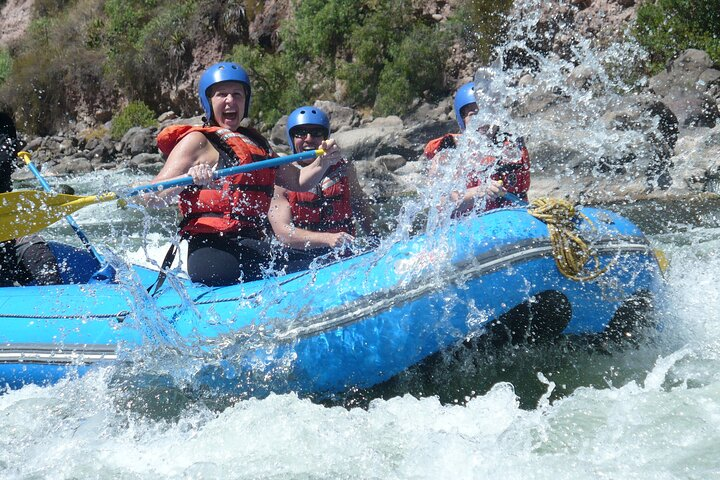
(465, 201)
(304, 179)
(280, 217)
(192, 151)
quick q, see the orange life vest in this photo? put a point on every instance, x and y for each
(328, 208)
(513, 169)
(237, 204)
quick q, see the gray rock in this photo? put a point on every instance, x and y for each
(696, 163)
(687, 86)
(365, 142)
(143, 159)
(682, 73)
(536, 102)
(277, 134)
(391, 162)
(693, 109)
(167, 116)
(72, 166)
(99, 153)
(340, 116)
(34, 144)
(139, 140)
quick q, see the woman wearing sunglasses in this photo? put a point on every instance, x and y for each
(323, 220)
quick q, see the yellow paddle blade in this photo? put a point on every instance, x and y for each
(29, 211)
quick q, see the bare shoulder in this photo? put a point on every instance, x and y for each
(193, 149)
(196, 141)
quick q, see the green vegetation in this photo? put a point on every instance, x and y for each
(5, 65)
(275, 90)
(667, 27)
(96, 55)
(136, 114)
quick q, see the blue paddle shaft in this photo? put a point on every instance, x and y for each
(251, 167)
(70, 220)
(515, 199)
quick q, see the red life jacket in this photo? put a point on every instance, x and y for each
(328, 208)
(237, 204)
(446, 141)
(513, 169)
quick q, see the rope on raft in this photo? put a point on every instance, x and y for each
(570, 251)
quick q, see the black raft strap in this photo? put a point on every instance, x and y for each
(167, 261)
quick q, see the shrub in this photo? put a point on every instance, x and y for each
(321, 27)
(136, 114)
(480, 25)
(5, 65)
(667, 27)
(415, 68)
(275, 89)
(96, 133)
(369, 44)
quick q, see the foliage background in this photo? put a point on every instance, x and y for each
(89, 59)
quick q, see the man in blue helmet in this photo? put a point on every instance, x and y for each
(510, 173)
(225, 221)
(316, 222)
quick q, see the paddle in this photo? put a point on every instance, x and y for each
(25, 156)
(515, 199)
(28, 211)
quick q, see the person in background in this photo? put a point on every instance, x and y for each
(27, 260)
(317, 222)
(225, 220)
(509, 173)
(9, 146)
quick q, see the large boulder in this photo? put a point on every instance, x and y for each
(382, 136)
(686, 86)
(697, 162)
(138, 140)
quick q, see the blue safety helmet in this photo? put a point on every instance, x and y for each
(464, 96)
(306, 116)
(222, 72)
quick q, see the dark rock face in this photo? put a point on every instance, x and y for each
(687, 88)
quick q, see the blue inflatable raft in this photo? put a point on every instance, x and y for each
(355, 323)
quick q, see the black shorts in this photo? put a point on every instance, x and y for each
(218, 260)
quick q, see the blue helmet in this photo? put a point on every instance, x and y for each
(306, 116)
(464, 96)
(222, 72)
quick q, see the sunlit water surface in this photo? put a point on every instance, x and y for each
(570, 410)
(567, 410)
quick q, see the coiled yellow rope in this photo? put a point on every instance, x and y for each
(571, 252)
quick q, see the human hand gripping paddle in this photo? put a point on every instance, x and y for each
(28, 211)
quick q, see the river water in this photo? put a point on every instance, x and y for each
(570, 410)
(563, 411)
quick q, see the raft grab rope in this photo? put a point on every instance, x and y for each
(570, 251)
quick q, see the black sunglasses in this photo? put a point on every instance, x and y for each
(303, 132)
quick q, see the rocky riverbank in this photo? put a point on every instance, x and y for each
(662, 141)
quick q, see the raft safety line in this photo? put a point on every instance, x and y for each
(52, 354)
(84, 354)
(384, 301)
(614, 241)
